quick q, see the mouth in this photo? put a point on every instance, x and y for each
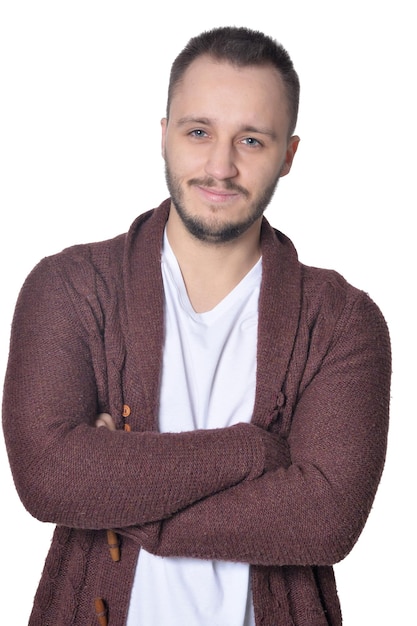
(218, 196)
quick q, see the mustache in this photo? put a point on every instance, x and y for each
(228, 185)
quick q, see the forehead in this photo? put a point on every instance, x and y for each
(209, 86)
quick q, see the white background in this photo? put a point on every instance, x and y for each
(83, 88)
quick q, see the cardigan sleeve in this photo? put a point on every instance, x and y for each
(312, 511)
(67, 471)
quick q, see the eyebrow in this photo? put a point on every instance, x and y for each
(189, 119)
(205, 121)
(260, 131)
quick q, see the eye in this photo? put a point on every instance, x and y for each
(251, 141)
(198, 132)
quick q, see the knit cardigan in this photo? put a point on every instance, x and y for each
(288, 493)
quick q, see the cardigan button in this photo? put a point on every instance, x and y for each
(280, 400)
(126, 410)
(101, 611)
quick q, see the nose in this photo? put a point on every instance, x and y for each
(221, 161)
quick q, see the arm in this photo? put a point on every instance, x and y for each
(69, 472)
(312, 511)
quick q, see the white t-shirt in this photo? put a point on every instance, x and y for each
(208, 381)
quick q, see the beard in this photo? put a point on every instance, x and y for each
(217, 231)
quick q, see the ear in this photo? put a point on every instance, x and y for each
(290, 154)
(164, 124)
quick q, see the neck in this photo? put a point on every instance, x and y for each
(211, 271)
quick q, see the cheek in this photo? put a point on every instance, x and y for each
(276, 165)
(265, 174)
(184, 162)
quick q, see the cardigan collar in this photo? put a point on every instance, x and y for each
(279, 310)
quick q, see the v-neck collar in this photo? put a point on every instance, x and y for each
(248, 282)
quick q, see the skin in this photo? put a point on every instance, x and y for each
(106, 420)
(226, 144)
(224, 156)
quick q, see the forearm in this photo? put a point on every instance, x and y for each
(277, 519)
(67, 471)
(303, 514)
(311, 510)
(92, 478)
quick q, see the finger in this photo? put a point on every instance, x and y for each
(105, 419)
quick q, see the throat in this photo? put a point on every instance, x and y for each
(209, 285)
(206, 296)
(211, 272)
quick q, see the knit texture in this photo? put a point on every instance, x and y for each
(288, 493)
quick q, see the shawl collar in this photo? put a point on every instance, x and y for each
(145, 306)
(279, 312)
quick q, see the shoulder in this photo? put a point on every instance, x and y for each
(73, 287)
(326, 287)
(87, 264)
(328, 301)
(329, 290)
(334, 308)
(81, 267)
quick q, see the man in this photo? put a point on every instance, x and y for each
(244, 396)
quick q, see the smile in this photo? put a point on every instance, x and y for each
(217, 195)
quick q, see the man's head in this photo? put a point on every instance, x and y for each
(241, 47)
(227, 138)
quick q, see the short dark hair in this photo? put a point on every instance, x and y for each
(242, 47)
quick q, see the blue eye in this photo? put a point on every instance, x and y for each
(251, 141)
(198, 133)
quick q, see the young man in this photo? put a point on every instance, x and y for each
(244, 395)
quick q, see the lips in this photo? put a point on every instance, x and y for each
(217, 195)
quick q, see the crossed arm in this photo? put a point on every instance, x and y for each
(237, 493)
(311, 507)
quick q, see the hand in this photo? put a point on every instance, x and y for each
(105, 419)
(277, 451)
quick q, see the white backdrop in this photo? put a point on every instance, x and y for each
(83, 88)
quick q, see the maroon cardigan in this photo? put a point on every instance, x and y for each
(288, 493)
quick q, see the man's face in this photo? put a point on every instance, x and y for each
(225, 146)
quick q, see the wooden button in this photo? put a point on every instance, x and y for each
(126, 410)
